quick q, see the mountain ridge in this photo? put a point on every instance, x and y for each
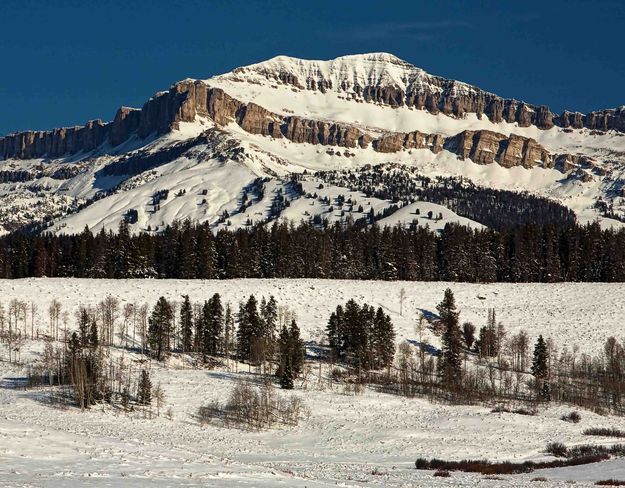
(421, 90)
(209, 141)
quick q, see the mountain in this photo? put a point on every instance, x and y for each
(224, 150)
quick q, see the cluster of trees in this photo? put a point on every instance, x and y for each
(262, 334)
(361, 336)
(259, 334)
(85, 366)
(499, 367)
(535, 253)
(497, 209)
(485, 364)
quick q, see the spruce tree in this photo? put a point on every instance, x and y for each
(186, 324)
(383, 340)
(250, 330)
(144, 393)
(93, 335)
(291, 355)
(228, 330)
(270, 317)
(296, 349)
(540, 368)
(285, 370)
(335, 332)
(84, 324)
(213, 322)
(539, 361)
(159, 329)
(452, 346)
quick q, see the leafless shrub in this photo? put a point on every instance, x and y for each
(574, 417)
(605, 432)
(254, 408)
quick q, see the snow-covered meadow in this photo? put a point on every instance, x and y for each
(371, 439)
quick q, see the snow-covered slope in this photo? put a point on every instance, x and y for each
(287, 115)
(366, 440)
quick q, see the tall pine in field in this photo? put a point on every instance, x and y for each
(297, 349)
(540, 368)
(383, 340)
(84, 324)
(213, 321)
(144, 393)
(186, 324)
(159, 329)
(539, 361)
(250, 330)
(336, 333)
(451, 366)
(228, 331)
(270, 317)
(291, 355)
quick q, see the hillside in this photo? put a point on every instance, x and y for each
(371, 438)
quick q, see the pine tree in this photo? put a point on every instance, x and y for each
(452, 347)
(539, 361)
(250, 331)
(540, 368)
(84, 326)
(296, 349)
(335, 332)
(160, 324)
(291, 355)
(186, 324)
(270, 317)
(228, 330)
(213, 322)
(93, 335)
(74, 346)
(383, 340)
(285, 370)
(144, 393)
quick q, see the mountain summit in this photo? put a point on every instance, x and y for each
(221, 143)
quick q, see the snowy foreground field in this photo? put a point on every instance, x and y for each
(371, 439)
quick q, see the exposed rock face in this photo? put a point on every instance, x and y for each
(55, 143)
(186, 100)
(486, 147)
(412, 140)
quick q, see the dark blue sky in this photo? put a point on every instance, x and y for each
(67, 61)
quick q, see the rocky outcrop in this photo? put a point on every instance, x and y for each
(395, 142)
(55, 143)
(188, 99)
(486, 147)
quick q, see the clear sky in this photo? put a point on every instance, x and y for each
(66, 61)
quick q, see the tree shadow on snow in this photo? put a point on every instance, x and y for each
(428, 348)
(429, 316)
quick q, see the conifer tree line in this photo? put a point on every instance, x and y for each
(533, 253)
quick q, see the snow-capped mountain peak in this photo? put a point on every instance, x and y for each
(289, 115)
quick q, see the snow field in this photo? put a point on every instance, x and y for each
(370, 439)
